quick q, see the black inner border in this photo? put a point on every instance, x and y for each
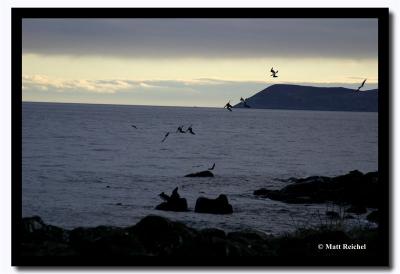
(382, 14)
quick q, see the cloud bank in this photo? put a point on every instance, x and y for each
(202, 38)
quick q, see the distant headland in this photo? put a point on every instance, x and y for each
(296, 97)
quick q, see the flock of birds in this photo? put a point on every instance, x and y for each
(179, 130)
(229, 107)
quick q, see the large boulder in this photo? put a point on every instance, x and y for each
(205, 173)
(220, 205)
(161, 236)
(179, 204)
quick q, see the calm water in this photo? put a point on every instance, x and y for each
(72, 152)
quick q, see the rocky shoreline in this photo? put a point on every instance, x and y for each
(354, 188)
(159, 236)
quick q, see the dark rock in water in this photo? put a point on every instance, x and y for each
(220, 205)
(262, 192)
(374, 216)
(205, 173)
(353, 188)
(357, 209)
(173, 202)
(179, 204)
(332, 214)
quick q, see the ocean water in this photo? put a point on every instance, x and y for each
(85, 165)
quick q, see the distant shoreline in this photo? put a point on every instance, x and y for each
(202, 107)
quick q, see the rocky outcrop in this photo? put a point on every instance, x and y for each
(353, 188)
(205, 173)
(220, 205)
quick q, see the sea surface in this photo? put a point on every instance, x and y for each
(85, 165)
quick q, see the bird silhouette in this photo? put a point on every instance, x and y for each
(212, 168)
(165, 137)
(228, 106)
(133, 126)
(180, 129)
(362, 84)
(244, 102)
(190, 130)
(274, 73)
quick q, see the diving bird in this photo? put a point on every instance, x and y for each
(228, 106)
(165, 137)
(362, 84)
(274, 73)
(180, 129)
(244, 102)
(212, 168)
(190, 130)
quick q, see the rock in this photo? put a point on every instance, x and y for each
(220, 205)
(332, 214)
(35, 228)
(374, 216)
(357, 209)
(205, 173)
(160, 236)
(179, 204)
(105, 240)
(173, 202)
(262, 192)
(32, 224)
(213, 232)
(353, 188)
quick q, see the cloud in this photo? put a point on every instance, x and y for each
(43, 82)
(202, 38)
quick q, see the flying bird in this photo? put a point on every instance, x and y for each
(165, 137)
(274, 73)
(362, 84)
(190, 130)
(244, 102)
(133, 126)
(212, 168)
(228, 106)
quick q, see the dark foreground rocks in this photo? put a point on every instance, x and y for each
(205, 173)
(158, 236)
(220, 205)
(356, 188)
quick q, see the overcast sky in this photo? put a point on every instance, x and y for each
(202, 62)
